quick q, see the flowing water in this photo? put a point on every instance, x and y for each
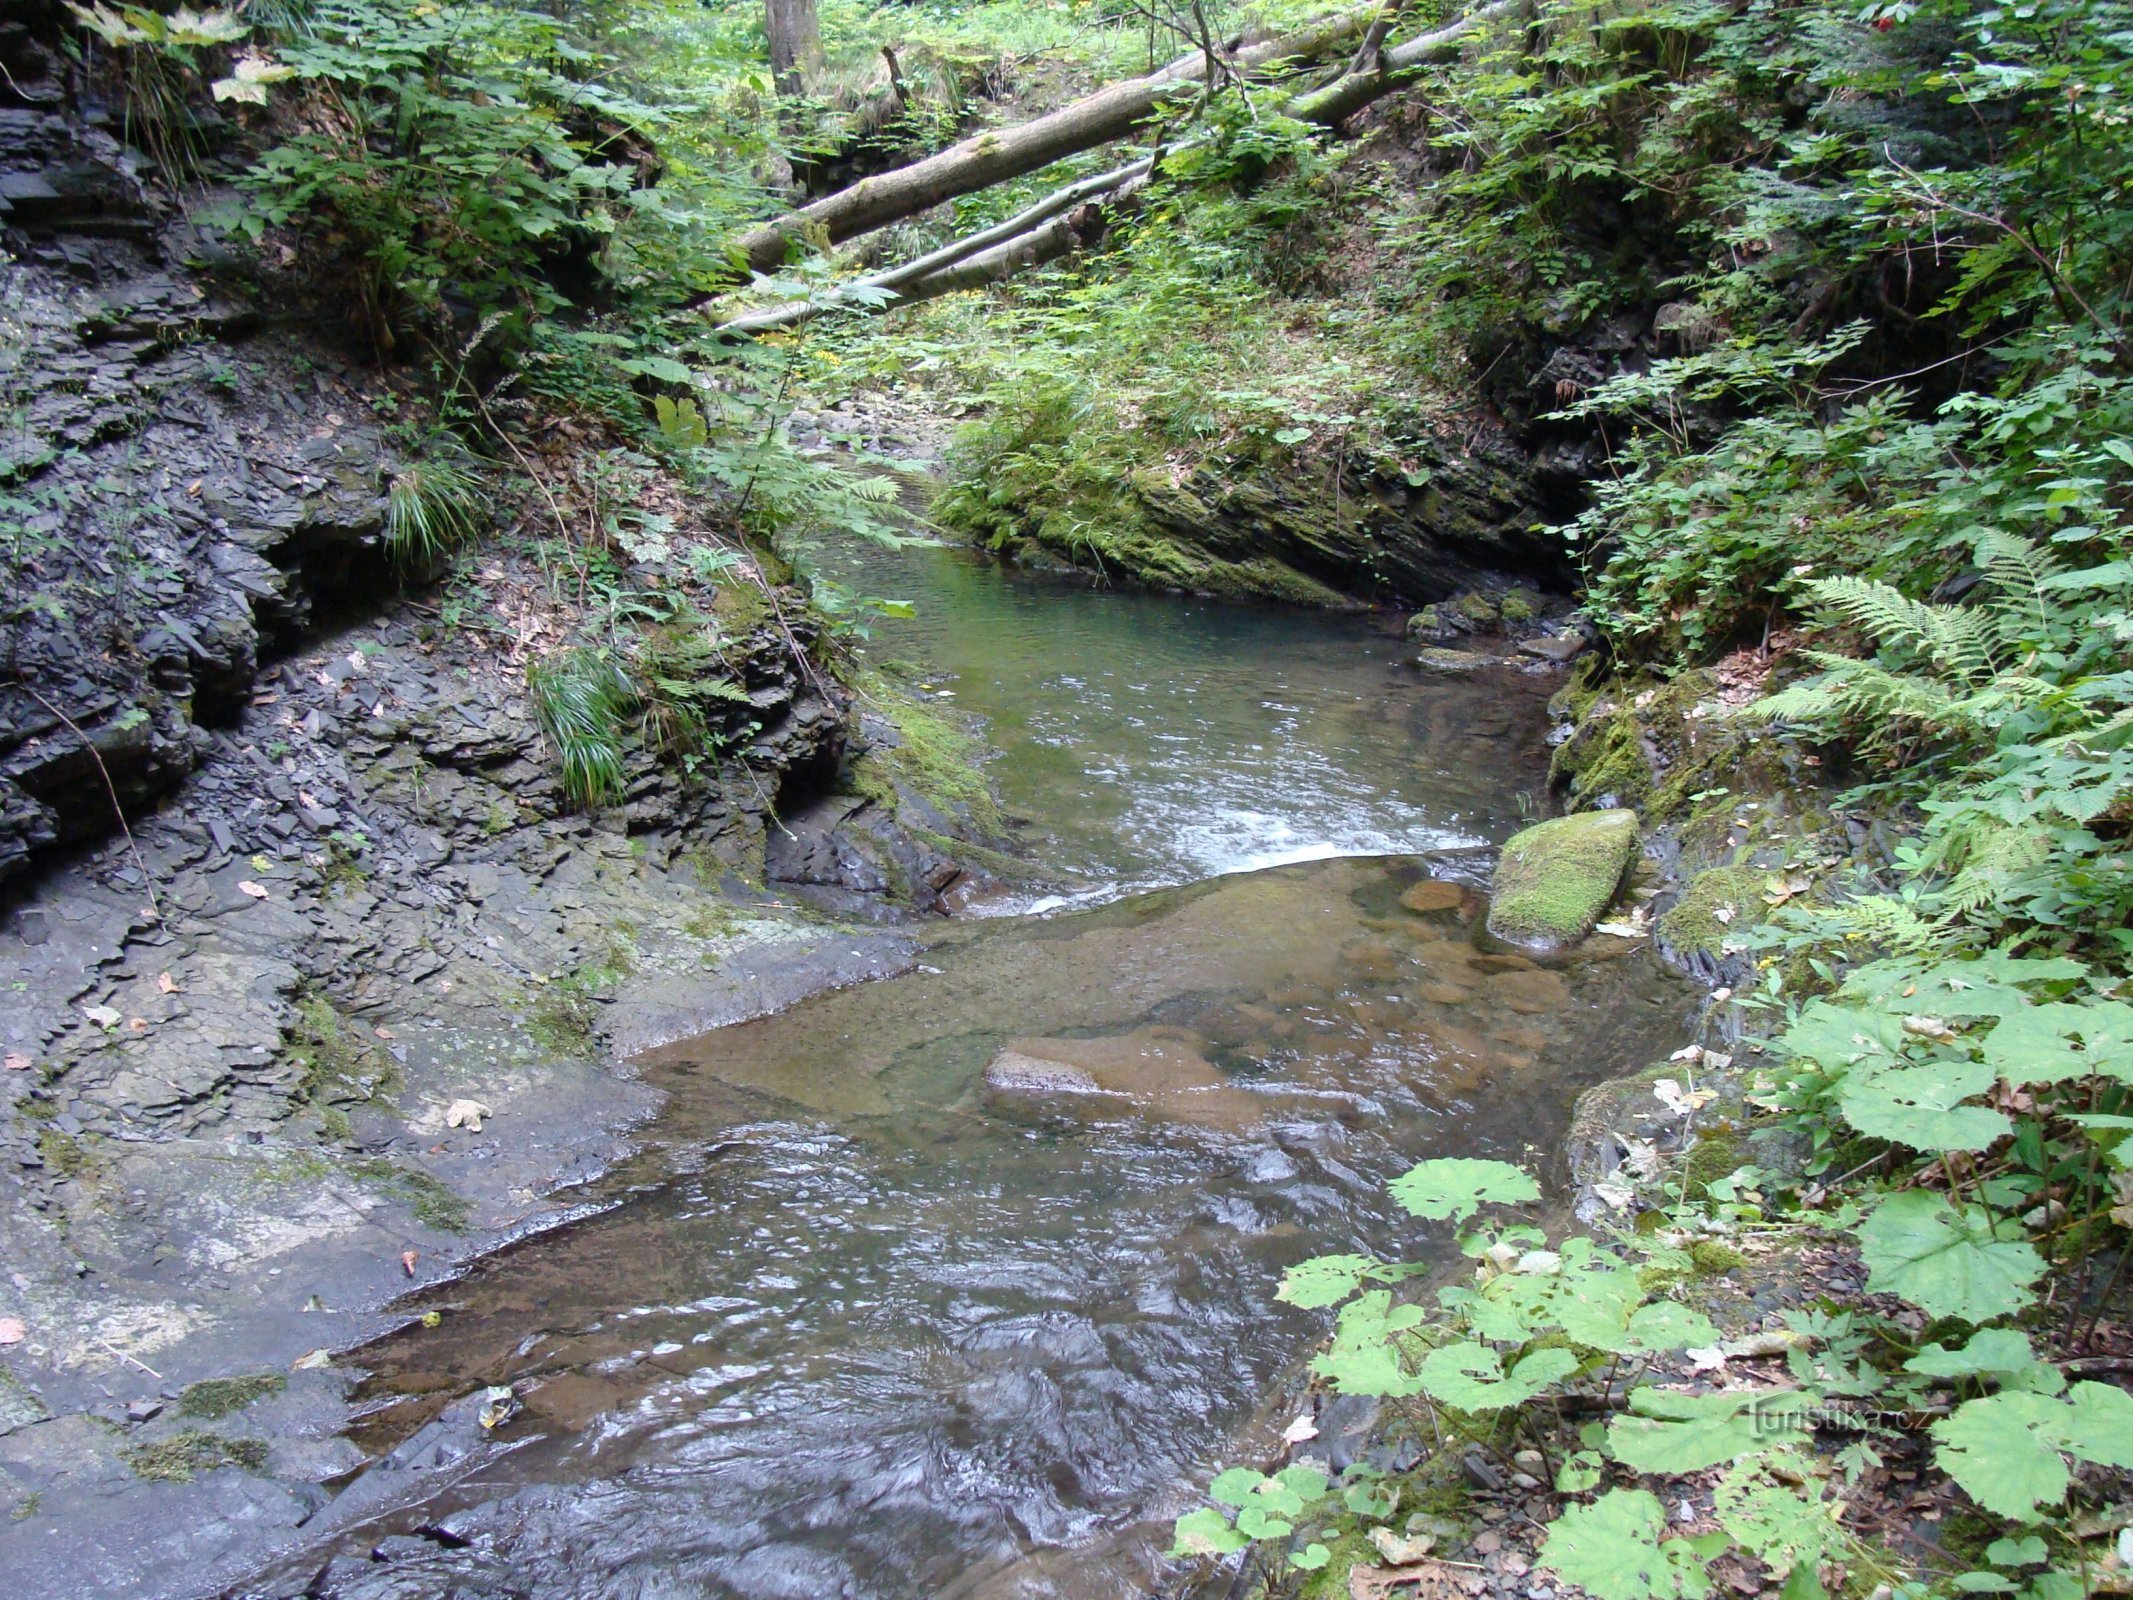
(954, 1284)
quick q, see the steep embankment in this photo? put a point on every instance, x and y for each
(344, 1000)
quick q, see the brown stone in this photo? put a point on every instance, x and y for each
(1433, 895)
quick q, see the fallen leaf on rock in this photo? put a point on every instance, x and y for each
(136, 1024)
(12, 1331)
(102, 1016)
(408, 1258)
(312, 1360)
(1400, 1551)
(167, 983)
(466, 1114)
(1301, 1429)
(16, 1061)
(385, 1033)
(252, 889)
(262, 864)
(1678, 1100)
(1620, 930)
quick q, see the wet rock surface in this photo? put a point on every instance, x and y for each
(238, 1043)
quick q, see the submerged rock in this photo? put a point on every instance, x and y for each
(1555, 879)
(1157, 1071)
(1433, 895)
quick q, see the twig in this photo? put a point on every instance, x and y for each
(136, 1360)
(111, 789)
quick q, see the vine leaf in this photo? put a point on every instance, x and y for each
(2001, 1354)
(1944, 1259)
(1457, 1187)
(1611, 1549)
(2008, 1450)
(1470, 1377)
(1667, 1431)
(1922, 1106)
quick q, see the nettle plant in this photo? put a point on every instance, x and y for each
(1576, 1348)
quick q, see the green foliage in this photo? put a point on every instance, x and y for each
(432, 504)
(580, 699)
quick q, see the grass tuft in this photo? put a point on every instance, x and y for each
(581, 698)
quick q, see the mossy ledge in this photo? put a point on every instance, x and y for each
(1555, 878)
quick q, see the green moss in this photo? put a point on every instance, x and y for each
(1554, 879)
(1477, 608)
(181, 1456)
(1520, 606)
(66, 1155)
(938, 758)
(1605, 758)
(434, 1204)
(1717, 1153)
(1719, 902)
(1714, 1258)
(215, 1398)
(337, 1067)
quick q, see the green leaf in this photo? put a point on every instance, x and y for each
(2001, 1354)
(2027, 1551)
(1611, 1549)
(1781, 1525)
(1457, 1187)
(1470, 1377)
(1362, 1359)
(2003, 1451)
(1323, 1280)
(1944, 1259)
(1922, 1106)
(1580, 1471)
(1236, 1486)
(1670, 1432)
(1311, 1557)
(1205, 1532)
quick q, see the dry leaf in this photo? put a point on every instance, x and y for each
(312, 1360)
(466, 1114)
(136, 1024)
(385, 1033)
(1678, 1100)
(102, 1016)
(12, 1331)
(252, 889)
(1301, 1429)
(16, 1061)
(1932, 1028)
(1377, 1583)
(408, 1258)
(1399, 1551)
(167, 983)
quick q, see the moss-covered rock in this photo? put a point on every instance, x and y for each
(1722, 900)
(216, 1398)
(1555, 879)
(1519, 608)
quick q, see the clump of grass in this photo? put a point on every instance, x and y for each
(181, 1456)
(215, 1398)
(580, 698)
(431, 506)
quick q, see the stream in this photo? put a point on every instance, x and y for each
(957, 1283)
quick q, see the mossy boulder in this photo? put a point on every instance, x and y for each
(1555, 879)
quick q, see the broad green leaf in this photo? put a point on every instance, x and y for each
(1470, 1377)
(1922, 1106)
(2003, 1450)
(2101, 1426)
(1323, 1281)
(1612, 1550)
(1945, 1260)
(1236, 1486)
(1256, 1522)
(1670, 1432)
(1205, 1532)
(1782, 1525)
(1665, 1325)
(1311, 1557)
(2027, 1551)
(1458, 1186)
(2001, 1354)
(1362, 1359)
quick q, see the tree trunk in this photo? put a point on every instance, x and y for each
(1031, 237)
(795, 35)
(1000, 154)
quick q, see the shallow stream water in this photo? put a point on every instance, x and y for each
(955, 1284)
